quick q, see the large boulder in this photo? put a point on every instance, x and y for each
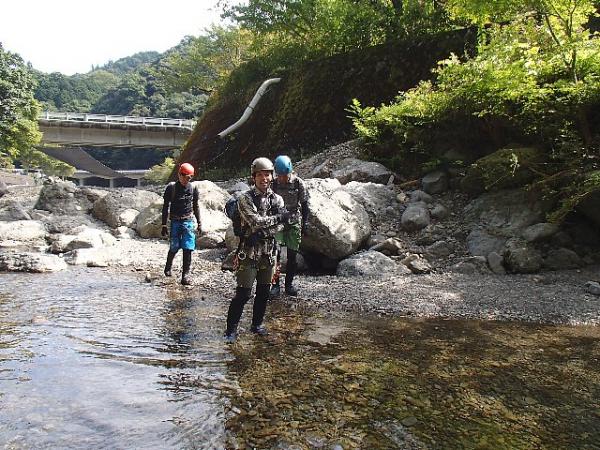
(435, 182)
(119, 208)
(375, 198)
(338, 224)
(148, 223)
(63, 197)
(22, 230)
(366, 264)
(352, 169)
(508, 212)
(521, 257)
(506, 168)
(31, 262)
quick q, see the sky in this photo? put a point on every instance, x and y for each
(69, 36)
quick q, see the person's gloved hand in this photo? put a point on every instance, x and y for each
(284, 217)
(164, 232)
(255, 237)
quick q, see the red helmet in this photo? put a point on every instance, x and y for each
(186, 169)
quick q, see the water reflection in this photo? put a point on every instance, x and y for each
(91, 360)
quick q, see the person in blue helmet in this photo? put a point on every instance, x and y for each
(295, 196)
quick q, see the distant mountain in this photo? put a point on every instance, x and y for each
(129, 63)
(128, 86)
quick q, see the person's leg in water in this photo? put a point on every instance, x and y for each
(264, 275)
(188, 244)
(245, 276)
(234, 313)
(276, 283)
(174, 245)
(290, 273)
(169, 263)
(293, 240)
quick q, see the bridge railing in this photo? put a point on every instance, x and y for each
(127, 120)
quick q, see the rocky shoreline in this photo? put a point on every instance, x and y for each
(387, 251)
(558, 297)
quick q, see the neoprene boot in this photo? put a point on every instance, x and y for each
(236, 308)
(258, 310)
(169, 264)
(187, 263)
(290, 273)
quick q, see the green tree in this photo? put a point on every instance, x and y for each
(198, 64)
(18, 109)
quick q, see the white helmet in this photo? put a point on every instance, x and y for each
(260, 164)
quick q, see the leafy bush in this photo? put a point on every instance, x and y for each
(525, 85)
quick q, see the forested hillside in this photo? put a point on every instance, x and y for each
(128, 86)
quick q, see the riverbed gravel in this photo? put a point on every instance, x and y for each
(548, 297)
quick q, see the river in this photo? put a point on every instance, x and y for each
(94, 359)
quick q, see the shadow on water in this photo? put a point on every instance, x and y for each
(89, 359)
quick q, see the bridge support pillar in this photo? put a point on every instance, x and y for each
(139, 182)
(111, 183)
(81, 182)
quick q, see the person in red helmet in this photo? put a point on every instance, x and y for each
(181, 206)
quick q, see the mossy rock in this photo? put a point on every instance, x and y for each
(506, 168)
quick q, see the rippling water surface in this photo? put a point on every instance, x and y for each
(90, 359)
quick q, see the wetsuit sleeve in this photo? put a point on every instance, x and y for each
(166, 202)
(196, 208)
(304, 207)
(249, 215)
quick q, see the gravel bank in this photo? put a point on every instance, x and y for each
(549, 297)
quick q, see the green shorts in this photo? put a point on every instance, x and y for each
(249, 270)
(291, 236)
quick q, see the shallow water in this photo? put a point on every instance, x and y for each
(90, 359)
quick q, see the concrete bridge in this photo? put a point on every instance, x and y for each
(70, 131)
(103, 130)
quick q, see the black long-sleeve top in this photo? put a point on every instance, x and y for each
(181, 204)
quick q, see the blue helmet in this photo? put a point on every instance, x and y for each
(283, 165)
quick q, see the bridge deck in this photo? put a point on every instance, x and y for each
(114, 119)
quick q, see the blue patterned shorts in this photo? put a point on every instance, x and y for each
(183, 235)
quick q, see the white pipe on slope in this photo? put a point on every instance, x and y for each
(259, 93)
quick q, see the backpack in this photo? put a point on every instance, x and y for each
(231, 211)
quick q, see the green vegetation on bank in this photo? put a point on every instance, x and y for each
(534, 81)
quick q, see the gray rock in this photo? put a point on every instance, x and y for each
(520, 257)
(540, 232)
(416, 264)
(415, 218)
(439, 212)
(439, 249)
(369, 263)
(420, 196)
(31, 262)
(482, 243)
(63, 197)
(338, 224)
(592, 287)
(495, 261)
(115, 207)
(561, 259)
(435, 182)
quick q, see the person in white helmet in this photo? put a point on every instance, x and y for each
(262, 214)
